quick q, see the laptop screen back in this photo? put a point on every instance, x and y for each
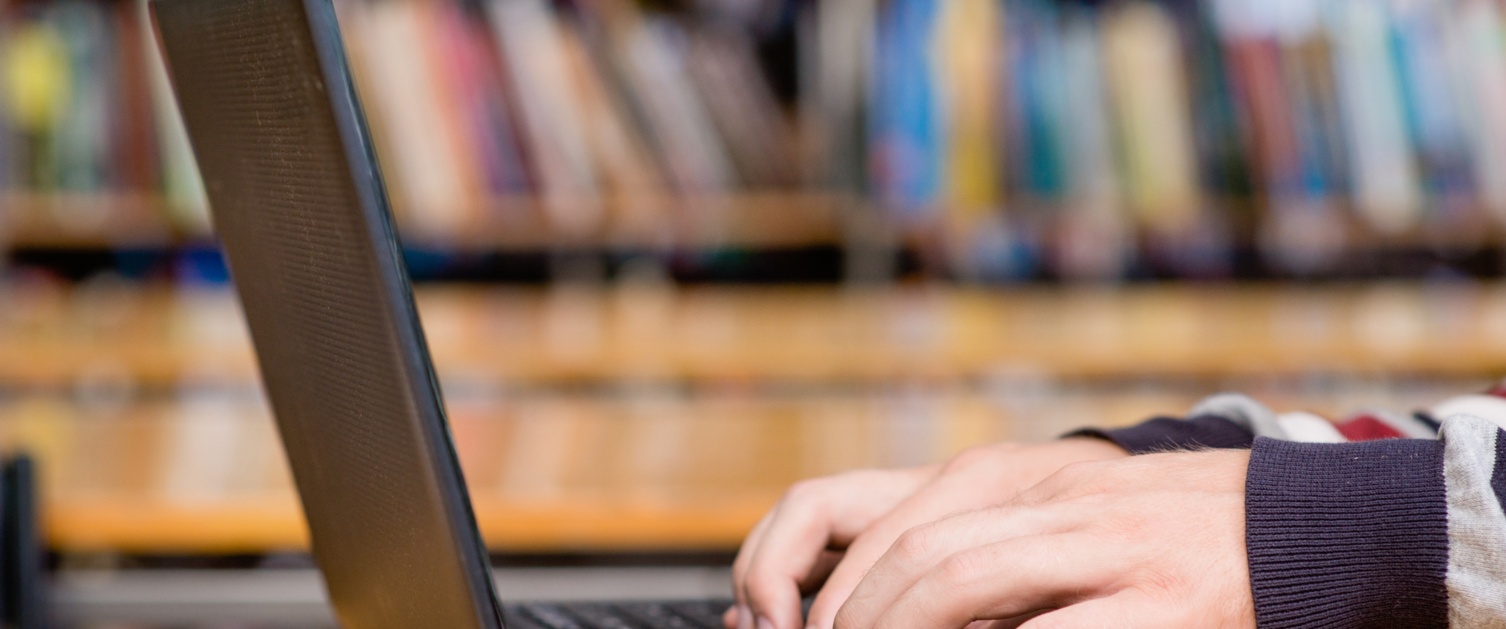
(299, 206)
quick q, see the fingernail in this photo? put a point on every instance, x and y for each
(765, 623)
(744, 617)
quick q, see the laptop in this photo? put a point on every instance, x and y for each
(302, 214)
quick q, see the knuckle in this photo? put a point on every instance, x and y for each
(976, 458)
(1079, 470)
(959, 570)
(1077, 479)
(805, 491)
(860, 482)
(915, 544)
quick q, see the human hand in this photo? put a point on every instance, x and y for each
(1151, 541)
(841, 524)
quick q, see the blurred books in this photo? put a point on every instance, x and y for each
(1102, 133)
(1016, 138)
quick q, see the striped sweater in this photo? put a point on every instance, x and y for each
(1379, 520)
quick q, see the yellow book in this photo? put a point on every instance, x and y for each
(37, 86)
(37, 77)
(1144, 69)
(967, 35)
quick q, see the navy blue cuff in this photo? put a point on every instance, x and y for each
(1165, 434)
(1347, 535)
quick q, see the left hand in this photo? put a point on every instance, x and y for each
(1149, 541)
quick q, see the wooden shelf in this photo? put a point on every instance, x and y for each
(750, 220)
(768, 220)
(87, 221)
(492, 337)
(747, 220)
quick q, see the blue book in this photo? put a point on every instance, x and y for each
(1039, 90)
(905, 126)
(1433, 118)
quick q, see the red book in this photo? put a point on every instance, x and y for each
(134, 162)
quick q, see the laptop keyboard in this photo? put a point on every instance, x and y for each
(630, 615)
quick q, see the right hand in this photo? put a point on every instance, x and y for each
(833, 529)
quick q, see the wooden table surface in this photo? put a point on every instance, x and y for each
(631, 470)
(648, 418)
(166, 337)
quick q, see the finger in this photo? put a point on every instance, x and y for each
(1006, 623)
(812, 519)
(921, 549)
(824, 565)
(928, 503)
(1003, 623)
(1128, 609)
(995, 581)
(745, 555)
(786, 557)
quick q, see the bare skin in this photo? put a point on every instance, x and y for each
(828, 532)
(1153, 541)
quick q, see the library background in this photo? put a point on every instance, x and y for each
(672, 256)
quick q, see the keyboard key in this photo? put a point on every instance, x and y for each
(657, 615)
(551, 616)
(603, 617)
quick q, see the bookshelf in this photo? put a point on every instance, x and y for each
(994, 142)
(1048, 138)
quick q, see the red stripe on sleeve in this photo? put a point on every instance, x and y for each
(1367, 428)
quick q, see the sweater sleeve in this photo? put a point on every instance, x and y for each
(1166, 434)
(1221, 421)
(1392, 533)
(1378, 520)
(1234, 421)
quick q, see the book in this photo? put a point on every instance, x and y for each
(1387, 191)
(742, 105)
(81, 118)
(429, 166)
(529, 38)
(905, 124)
(1480, 38)
(38, 80)
(186, 202)
(135, 159)
(1148, 92)
(1095, 241)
